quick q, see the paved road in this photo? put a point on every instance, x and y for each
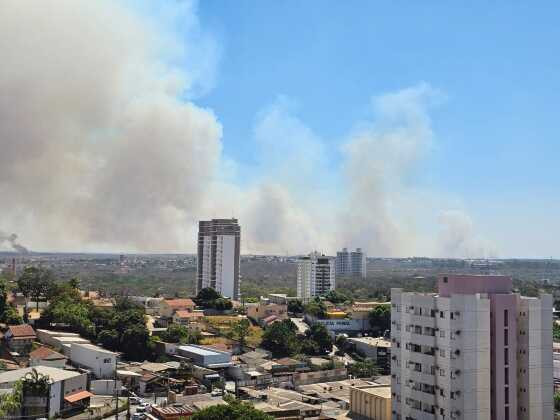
(302, 326)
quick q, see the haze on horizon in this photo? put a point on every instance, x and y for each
(123, 123)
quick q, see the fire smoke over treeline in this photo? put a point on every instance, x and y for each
(100, 150)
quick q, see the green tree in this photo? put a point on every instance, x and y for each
(295, 306)
(380, 319)
(241, 330)
(281, 338)
(233, 410)
(206, 295)
(557, 401)
(363, 369)
(180, 334)
(316, 308)
(317, 340)
(35, 282)
(109, 339)
(336, 297)
(8, 314)
(555, 331)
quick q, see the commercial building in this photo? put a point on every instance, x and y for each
(474, 350)
(351, 263)
(377, 349)
(315, 275)
(101, 362)
(66, 390)
(371, 402)
(205, 356)
(219, 244)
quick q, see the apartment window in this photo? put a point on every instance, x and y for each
(442, 334)
(441, 314)
(506, 395)
(442, 352)
(441, 372)
(506, 356)
(506, 413)
(505, 317)
(506, 376)
(107, 360)
(506, 337)
(445, 279)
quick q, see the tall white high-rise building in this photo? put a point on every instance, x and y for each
(219, 243)
(475, 351)
(315, 276)
(351, 263)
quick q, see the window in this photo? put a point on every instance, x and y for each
(441, 314)
(506, 413)
(445, 279)
(442, 352)
(441, 372)
(505, 317)
(506, 356)
(506, 376)
(442, 334)
(506, 395)
(505, 337)
(107, 360)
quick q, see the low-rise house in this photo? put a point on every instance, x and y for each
(19, 338)
(265, 310)
(172, 412)
(43, 356)
(67, 391)
(185, 317)
(371, 402)
(169, 306)
(101, 362)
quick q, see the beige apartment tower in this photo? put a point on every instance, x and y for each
(475, 351)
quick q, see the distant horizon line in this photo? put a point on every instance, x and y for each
(38, 253)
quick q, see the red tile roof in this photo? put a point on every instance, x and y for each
(77, 396)
(179, 303)
(46, 353)
(22, 331)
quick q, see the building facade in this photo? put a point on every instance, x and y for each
(474, 350)
(315, 276)
(101, 362)
(372, 402)
(351, 263)
(219, 244)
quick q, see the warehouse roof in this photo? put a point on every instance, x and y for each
(54, 374)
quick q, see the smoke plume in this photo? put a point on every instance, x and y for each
(102, 146)
(11, 239)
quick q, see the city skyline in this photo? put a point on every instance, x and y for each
(406, 133)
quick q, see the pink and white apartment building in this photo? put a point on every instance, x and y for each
(474, 350)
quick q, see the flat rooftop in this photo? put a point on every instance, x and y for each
(201, 351)
(54, 374)
(372, 341)
(378, 391)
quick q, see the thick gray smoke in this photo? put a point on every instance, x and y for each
(100, 150)
(11, 239)
(97, 148)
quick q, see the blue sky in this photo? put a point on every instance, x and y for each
(496, 63)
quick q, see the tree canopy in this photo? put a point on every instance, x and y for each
(180, 334)
(233, 410)
(35, 282)
(210, 299)
(317, 340)
(281, 338)
(363, 369)
(380, 319)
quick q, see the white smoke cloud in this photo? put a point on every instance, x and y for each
(458, 237)
(97, 147)
(100, 150)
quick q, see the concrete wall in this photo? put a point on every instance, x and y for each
(61, 364)
(101, 362)
(369, 405)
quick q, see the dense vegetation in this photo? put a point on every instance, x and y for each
(210, 299)
(233, 410)
(282, 339)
